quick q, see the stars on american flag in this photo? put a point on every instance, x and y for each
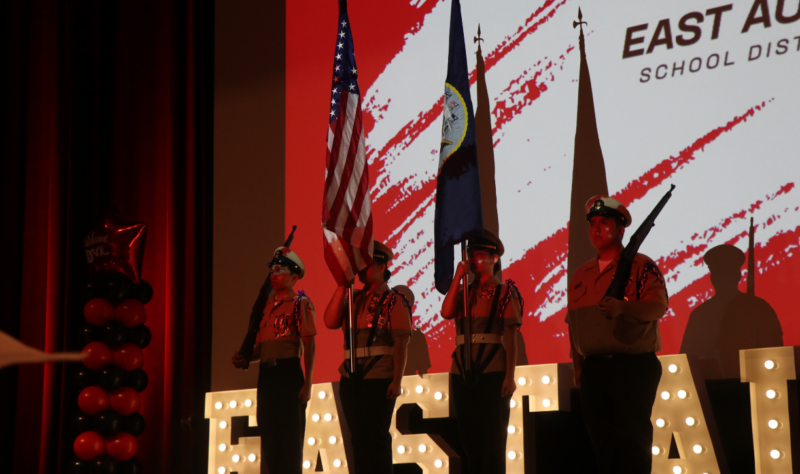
(345, 73)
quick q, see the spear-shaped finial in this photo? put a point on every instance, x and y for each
(478, 39)
(580, 20)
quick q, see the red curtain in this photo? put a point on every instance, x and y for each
(106, 101)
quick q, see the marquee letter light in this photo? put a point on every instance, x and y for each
(682, 411)
(767, 371)
(431, 453)
(223, 457)
(324, 438)
(540, 383)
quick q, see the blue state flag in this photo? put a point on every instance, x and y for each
(458, 187)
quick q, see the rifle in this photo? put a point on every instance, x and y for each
(623, 272)
(257, 312)
(470, 377)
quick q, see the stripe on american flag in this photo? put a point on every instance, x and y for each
(346, 210)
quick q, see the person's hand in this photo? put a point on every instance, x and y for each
(305, 393)
(509, 386)
(461, 269)
(394, 390)
(610, 307)
(238, 360)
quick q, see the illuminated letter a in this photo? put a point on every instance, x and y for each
(684, 422)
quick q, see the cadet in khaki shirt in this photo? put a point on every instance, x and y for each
(383, 329)
(613, 344)
(482, 403)
(285, 333)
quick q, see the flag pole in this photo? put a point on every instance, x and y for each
(467, 314)
(352, 332)
(751, 262)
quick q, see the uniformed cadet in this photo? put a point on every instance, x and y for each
(383, 323)
(614, 344)
(482, 407)
(285, 333)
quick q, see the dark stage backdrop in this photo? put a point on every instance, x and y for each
(105, 101)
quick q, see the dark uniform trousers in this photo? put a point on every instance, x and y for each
(482, 418)
(368, 414)
(281, 417)
(617, 396)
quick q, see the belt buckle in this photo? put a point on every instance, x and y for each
(607, 356)
(271, 362)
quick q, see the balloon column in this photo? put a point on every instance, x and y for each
(113, 336)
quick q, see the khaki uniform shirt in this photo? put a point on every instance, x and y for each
(280, 331)
(480, 301)
(394, 321)
(591, 332)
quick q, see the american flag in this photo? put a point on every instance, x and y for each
(346, 207)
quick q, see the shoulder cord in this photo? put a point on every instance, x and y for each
(507, 298)
(296, 311)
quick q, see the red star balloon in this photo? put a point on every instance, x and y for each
(116, 246)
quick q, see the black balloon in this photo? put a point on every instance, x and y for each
(82, 422)
(88, 333)
(113, 333)
(111, 377)
(107, 423)
(133, 424)
(135, 379)
(105, 464)
(131, 466)
(118, 288)
(139, 335)
(144, 292)
(79, 466)
(95, 289)
(85, 377)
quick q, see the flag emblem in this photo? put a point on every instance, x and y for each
(454, 124)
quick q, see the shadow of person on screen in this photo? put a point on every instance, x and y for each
(419, 359)
(730, 320)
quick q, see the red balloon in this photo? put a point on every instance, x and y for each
(130, 313)
(89, 445)
(121, 446)
(116, 246)
(129, 356)
(125, 400)
(98, 355)
(98, 311)
(93, 400)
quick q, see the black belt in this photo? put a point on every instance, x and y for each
(619, 356)
(275, 362)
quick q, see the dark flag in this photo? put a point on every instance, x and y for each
(588, 168)
(458, 184)
(483, 134)
(751, 261)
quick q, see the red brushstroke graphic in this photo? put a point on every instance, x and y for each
(402, 204)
